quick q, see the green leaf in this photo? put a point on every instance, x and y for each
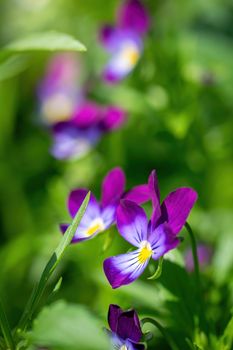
(226, 341)
(68, 326)
(46, 41)
(6, 331)
(51, 265)
(12, 66)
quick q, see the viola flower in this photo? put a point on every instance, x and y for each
(204, 253)
(152, 238)
(125, 329)
(59, 92)
(75, 138)
(124, 42)
(99, 216)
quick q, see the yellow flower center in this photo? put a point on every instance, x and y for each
(123, 347)
(96, 226)
(145, 252)
(131, 54)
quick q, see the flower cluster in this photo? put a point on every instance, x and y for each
(152, 238)
(124, 42)
(75, 122)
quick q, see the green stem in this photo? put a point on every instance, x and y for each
(6, 331)
(195, 256)
(162, 330)
(201, 307)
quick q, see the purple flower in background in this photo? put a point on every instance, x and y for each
(75, 138)
(152, 238)
(70, 142)
(124, 42)
(126, 332)
(204, 253)
(99, 216)
(59, 92)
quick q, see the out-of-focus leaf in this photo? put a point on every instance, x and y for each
(226, 341)
(46, 41)
(12, 66)
(51, 265)
(68, 326)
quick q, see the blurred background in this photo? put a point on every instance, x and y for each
(179, 105)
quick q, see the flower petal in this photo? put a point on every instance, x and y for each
(76, 197)
(108, 215)
(107, 37)
(128, 326)
(113, 186)
(127, 51)
(69, 142)
(113, 118)
(155, 196)
(177, 206)
(133, 15)
(138, 194)
(162, 240)
(86, 115)
(63, 227)
(114, 312)
(124, 269)
(132, 222)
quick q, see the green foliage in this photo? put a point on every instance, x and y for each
(68, 326)
(45, 41)
(179, 104)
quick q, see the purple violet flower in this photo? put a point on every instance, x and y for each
(59, 92)
(99, 216)
(75, 138)
(152, 238)
(125, 329)
(125, 41)
(204, 253)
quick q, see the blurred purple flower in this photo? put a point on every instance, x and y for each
(75, 138)
(99, 216)
(125, 330)
(204, 253)
(59, 92)
(124, 42)
(152, 238)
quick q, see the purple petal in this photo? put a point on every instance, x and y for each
(75, 200)
(107, 37)
(162, 240)
(69, 142)
(128, 326)
(138, 194)
(113, 118)
(133, 15)
(124, 269)
(108, 215)
(177, 206)
(113, 186)
(126, 51)
(155, 196)
(86, 115)
(132, 222)
(114, 312)
(63, 227)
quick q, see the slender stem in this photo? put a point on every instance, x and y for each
(201, 306)
(6, 331)
(194, 252)
(162, 330)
